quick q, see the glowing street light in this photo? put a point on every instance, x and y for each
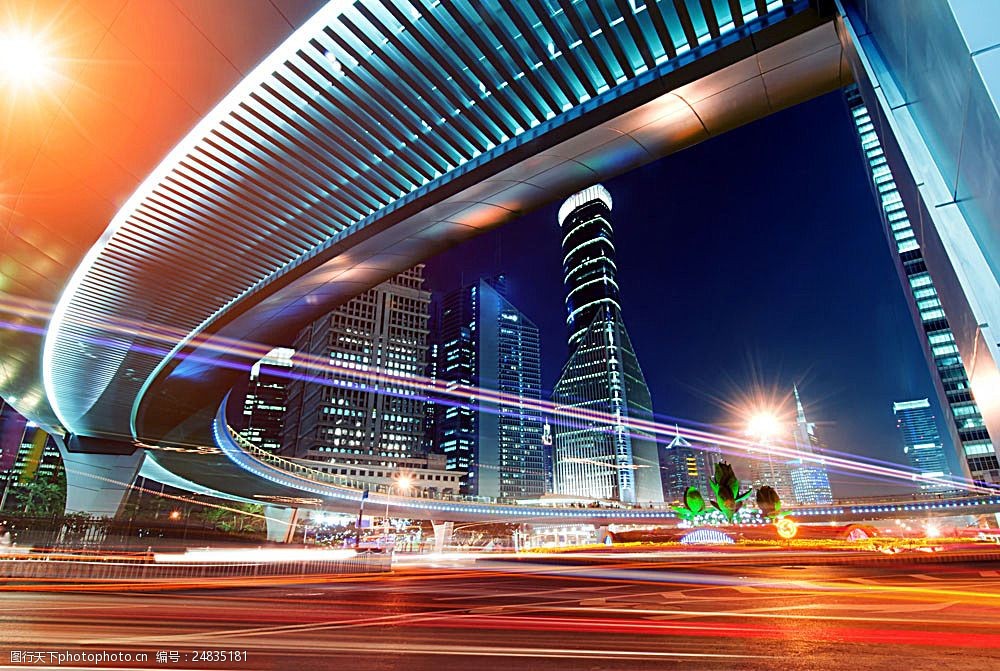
(764, 426)
(25, 60)
(403, 484)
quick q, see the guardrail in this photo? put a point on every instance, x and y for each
(318, 475)
(28, 567)
(639, 513)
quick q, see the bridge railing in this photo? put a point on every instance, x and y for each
(318, 475)
(360, 485)
(300, 469)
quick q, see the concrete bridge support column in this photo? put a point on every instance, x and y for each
(443, 532)
(281, 523)
(97, 481)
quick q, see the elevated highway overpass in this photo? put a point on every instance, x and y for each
(377, 133)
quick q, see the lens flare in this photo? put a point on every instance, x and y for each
(25, 60)
(764, 426)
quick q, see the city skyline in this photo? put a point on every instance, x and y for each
(839, 445)
(816, 345)
(515, 334)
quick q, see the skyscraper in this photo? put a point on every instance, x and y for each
(485, 341)
(265, 403)
(766, 468)
(921, 441)
(356, 410)
(29, 453)
(596, 453)
(686, 465)
(810, 481)
(966, 425)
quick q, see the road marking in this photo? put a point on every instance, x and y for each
(529, 593)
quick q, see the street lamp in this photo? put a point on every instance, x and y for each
(402, 484)
(25, 59)
(763, 427)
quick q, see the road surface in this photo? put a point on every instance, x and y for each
(503, 615)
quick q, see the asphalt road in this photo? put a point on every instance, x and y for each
(496, 615)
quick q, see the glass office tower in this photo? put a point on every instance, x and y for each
(810, 481)
(484, 341)
(921, 441)
(686, 465)
(357, 409)
(265, 403)
(27, 453)
(967, 427)
(596, 453)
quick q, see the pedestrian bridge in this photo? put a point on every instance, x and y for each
(321, 490)
(377, 134)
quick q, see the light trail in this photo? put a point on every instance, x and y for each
(322, 371)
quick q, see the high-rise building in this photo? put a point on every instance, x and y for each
(921, 441)
(685, 465)
(265, 404)
(810, 481)
(485, 342)
(965, 425)
(764, 467)
(29, 453)
(597, 453)
(357, 409)
(11, 429)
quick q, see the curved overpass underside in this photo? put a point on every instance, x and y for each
(380, 133)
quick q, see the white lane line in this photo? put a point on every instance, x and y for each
(278, 629)
(27, 606)
(657, 614)
(529, 593)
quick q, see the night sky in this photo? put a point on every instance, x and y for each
(755, 259)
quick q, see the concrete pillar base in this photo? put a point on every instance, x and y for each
(281, 523)
(443, 532)
(97, 483)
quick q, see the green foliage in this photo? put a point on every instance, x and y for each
(725, 484)
(694, 505)
(43, 496)
(769, 503)
(234, 517)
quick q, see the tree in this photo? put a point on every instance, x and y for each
(43, 496)
(235, 517)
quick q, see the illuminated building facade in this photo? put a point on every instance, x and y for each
(427, 475)
(810, 481)
(766, 468)
(485, 341)
(29, 453)
(921, 440)
(600, 456)
(352, 410)
(966, 425)
(265, 404)
(685, 465)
